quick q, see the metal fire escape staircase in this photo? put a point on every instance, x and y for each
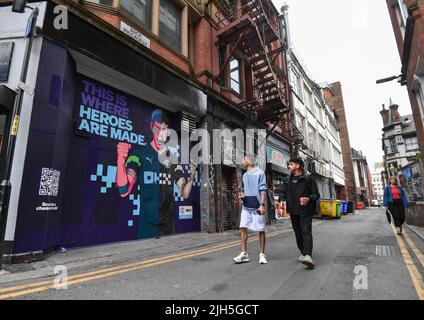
(251, 31)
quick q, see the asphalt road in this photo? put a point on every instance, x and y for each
(357, 257)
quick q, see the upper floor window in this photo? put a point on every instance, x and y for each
(296, 83)
(402, 15)
(411, 143)
(307, 98)
(170, 23)
(235, 74)
(312, 133)
(393, 145)
(140, 10)
(323, 147)
(300, 123)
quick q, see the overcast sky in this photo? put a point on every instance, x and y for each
(351, 42)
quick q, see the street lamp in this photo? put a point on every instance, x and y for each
(6, 186)
(389, 79)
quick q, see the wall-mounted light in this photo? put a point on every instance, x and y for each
(19, 6)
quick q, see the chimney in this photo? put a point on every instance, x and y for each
(385, 115)
(394, 112)
(285, 24)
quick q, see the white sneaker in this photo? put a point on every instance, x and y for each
(301, 258)
(242, 258)
(307, 261)
(262, 259)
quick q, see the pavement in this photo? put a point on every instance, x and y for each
(358, 257)
(109, 254)
(419, 231)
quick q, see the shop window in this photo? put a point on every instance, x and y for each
(140, 10)
(170, 23)
(235, 74)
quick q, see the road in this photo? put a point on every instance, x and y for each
(357, 257)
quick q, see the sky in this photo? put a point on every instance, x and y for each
(351, 41)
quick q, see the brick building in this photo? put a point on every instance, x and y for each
(334, 96)
(114, 74)
(407, 18)
(401, 150)
(364, 188)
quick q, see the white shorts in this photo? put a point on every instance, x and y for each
(251, 220)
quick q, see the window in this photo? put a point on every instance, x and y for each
(312, 138)
(235, 74)
(296, 84)
(393, 145)
(321, 117)
(411, 143)
(140, 10)
(300, 123)
(323, 147)
(337, 156)
(307, 98)
(170, 23)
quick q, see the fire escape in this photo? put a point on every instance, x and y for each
(251, 30)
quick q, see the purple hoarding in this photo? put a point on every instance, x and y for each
(92, 173)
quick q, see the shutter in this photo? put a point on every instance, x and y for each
(226, 195)
(188, 121)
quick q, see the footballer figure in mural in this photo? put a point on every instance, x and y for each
(156, 180)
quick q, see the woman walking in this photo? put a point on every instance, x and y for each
(395, 201)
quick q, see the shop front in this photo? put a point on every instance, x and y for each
(278, 156)
(323, 179)
(91, 172)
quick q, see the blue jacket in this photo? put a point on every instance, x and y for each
(388, 197)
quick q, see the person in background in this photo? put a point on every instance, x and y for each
(254, 196)
(271, 202)
(301, 194)
(395, 201)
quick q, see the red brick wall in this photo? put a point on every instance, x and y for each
(338, 105)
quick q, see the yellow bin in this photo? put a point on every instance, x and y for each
(328, 208)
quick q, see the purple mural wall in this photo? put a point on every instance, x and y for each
(92, 173)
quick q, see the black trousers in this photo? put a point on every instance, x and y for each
(302, 226)
(398, 212)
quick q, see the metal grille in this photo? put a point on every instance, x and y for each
(188, 121)
(386, 251)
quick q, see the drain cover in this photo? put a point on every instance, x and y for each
(386, 251)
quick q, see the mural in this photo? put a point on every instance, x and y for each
(93, 156)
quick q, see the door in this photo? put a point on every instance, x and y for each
(227, 198)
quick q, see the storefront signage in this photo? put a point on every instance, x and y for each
(319, 169)
(6, 50)
(137, 36)
(277, 157)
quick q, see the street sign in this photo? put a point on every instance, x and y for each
(26, 88)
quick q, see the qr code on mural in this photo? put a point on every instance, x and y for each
(49, 182)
